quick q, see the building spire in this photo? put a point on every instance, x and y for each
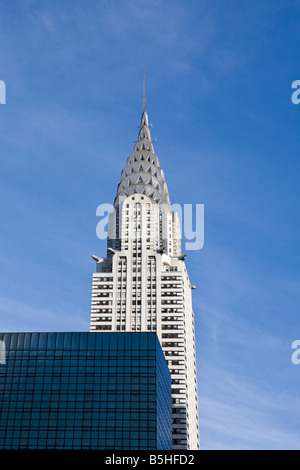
(143, 174)
(144, 95)
(144, 132)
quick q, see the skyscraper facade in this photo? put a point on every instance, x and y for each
(142, 284)
(84, 391)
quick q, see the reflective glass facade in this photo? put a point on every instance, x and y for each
(84, 391)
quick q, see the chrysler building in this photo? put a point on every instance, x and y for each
(142, 284)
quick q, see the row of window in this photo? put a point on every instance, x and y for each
(57, 383)
(89, 345)
(148, 247)
(171, 310)
(42, 391)
(171, 294)
(171, 327)
(74, 361)
(171, 318)
(171, 286)
(45, 400)
(39, 362)
(174, 344)
(171, 278)
(101, 427)
(77, 434)
(97, 444)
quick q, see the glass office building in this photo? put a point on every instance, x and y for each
(84, 391)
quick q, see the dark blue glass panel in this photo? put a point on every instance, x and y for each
(27, 340)
(151, 341)
(83, 341)
(68, 341)
(105, 338)
(91, 340)
(34, 341)
(51, 342)
(20, 341)
(113, 342)
(135, 340)
(43, 341)
(98, 341)
(60, 338)
(65, 397)
(143, 341)
(75, 340)
(128, 343)
(6, 337)
(121, 341)
(13, 341)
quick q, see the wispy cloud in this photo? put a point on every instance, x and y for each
(246, 382)
(239, 427)
(38, 318)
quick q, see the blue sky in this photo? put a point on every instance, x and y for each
(219, 78)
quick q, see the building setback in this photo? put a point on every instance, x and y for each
(142, 284)
(84, 391)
